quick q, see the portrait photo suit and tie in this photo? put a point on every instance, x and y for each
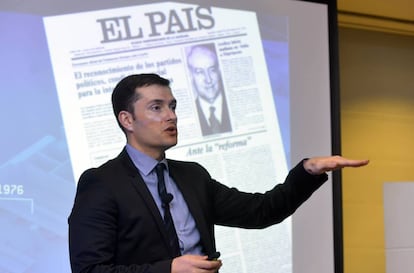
(211, 103)
(143, 212)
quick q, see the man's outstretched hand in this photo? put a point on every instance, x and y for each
(319, 165)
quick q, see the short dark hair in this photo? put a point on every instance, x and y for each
(124, 95)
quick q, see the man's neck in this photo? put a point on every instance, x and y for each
(154, 153)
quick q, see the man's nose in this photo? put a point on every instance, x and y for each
(207, 77)
(171, 115)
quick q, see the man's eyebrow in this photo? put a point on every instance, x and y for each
(162, 101)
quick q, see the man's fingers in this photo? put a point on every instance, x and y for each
(319, 165)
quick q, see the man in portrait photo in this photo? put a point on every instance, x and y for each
(208, 86)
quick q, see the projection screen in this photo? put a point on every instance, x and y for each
(61, 61)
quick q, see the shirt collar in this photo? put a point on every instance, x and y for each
(144, 163)
(205, 106)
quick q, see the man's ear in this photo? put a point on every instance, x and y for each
(125, 119)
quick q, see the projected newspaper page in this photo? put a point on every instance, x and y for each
(92, 51)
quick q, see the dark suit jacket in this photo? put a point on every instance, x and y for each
(115, 224)
(225, 125)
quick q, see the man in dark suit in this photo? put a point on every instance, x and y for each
(119, 219)
(211, 101)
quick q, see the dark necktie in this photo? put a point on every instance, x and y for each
(214, 123)
(166, 198)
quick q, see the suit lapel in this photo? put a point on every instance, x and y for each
(183, 184)
(138, 183)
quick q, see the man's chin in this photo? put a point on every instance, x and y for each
(169, 145)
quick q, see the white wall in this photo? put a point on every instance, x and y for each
(399, 227)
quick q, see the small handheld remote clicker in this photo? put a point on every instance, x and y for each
(213, 256)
